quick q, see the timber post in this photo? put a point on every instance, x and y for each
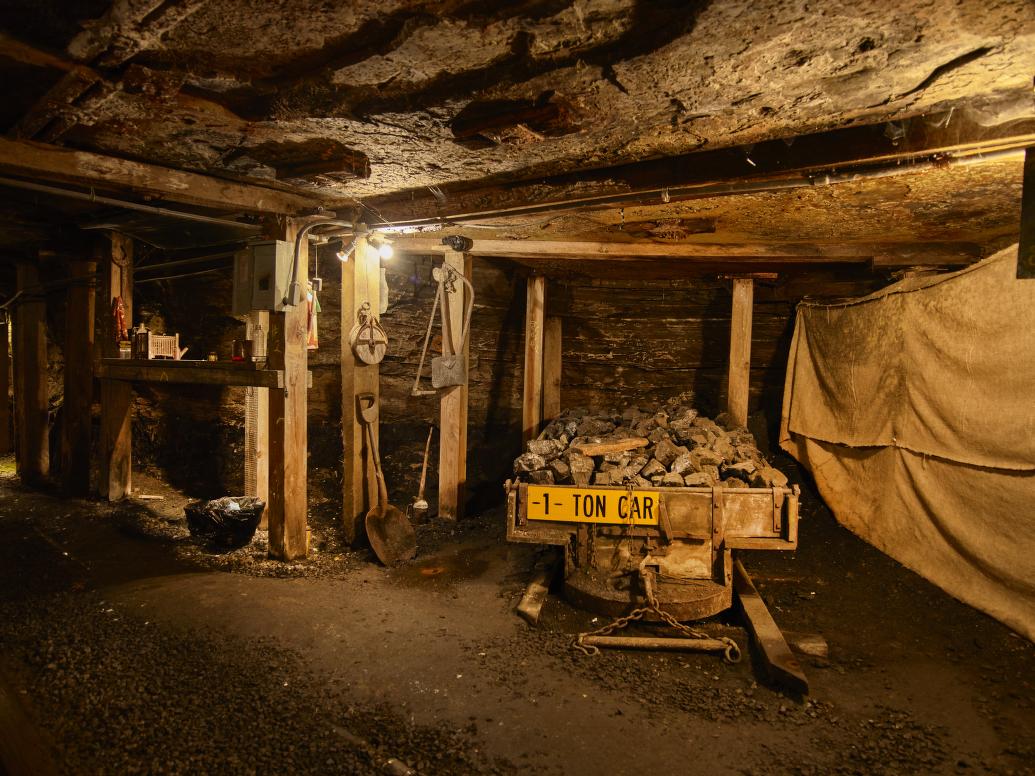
(739, 382)
(31, 401)
(360, 282)
(532, 396)
(116, 449)
(452, 467)
(287, 508)
(5, 385)
(552, 363)
(78, 377)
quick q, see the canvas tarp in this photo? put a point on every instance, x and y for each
(914, 409)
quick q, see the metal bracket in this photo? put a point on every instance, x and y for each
(718, 518)
(458, 243)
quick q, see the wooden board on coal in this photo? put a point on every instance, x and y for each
(1026, 245)
(780, 664)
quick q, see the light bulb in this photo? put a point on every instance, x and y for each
(343, 255)
(384, 250)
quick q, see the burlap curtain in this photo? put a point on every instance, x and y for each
(914, 409)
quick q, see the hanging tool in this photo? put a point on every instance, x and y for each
(368, 339)
(420, 507)
(449, 369)
(390, 534)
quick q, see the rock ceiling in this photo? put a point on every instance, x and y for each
(371, 99)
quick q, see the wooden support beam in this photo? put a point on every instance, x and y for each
(452, 448)
(288, 508)
(42, 162)
(116, 445)
(739, 382)
(779, 663)
(256, 423)
(191, 372)
(711, 253)
(532, 401)
(5, 386)
(76, 415)
(31, 402)
(1026, 245)
(360, 283)
(552, 368)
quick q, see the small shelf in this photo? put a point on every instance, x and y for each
(197, 372)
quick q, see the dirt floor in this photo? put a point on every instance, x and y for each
(132, 650)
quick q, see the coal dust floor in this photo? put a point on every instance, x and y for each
(128, 649)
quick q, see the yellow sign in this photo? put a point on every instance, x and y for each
(593, 505)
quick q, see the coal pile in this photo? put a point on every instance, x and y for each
(670, 445)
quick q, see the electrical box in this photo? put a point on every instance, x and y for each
(262, 276)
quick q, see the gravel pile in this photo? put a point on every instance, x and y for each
(120, 693)
(842, 741)
(670, 445)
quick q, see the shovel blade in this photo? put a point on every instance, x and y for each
(391, 535)
(447, 371)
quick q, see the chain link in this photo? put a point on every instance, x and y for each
(731, 653)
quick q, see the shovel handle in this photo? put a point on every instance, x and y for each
(382, 488)
(424, 468)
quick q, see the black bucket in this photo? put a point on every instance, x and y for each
(227, 522)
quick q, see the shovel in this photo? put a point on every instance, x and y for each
(389, 531)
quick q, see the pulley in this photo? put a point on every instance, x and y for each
(368, 339)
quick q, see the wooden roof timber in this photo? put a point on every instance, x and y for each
(83, 168)
(757, 254)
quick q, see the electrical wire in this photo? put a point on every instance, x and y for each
(182, 275)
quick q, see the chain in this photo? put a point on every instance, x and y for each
(731, 654)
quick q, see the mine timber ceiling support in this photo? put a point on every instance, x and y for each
(552, 363)
(452, 458)
(884, 254)
(1026, 246)
(287, 509)
(116, 448)
(30, 375)
(5, 388)
(532, 395)
(78, 376)
(739, 380)
(814, 159)
(45, 162)
(360, 282)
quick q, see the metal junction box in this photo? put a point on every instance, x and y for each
(261, 276)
